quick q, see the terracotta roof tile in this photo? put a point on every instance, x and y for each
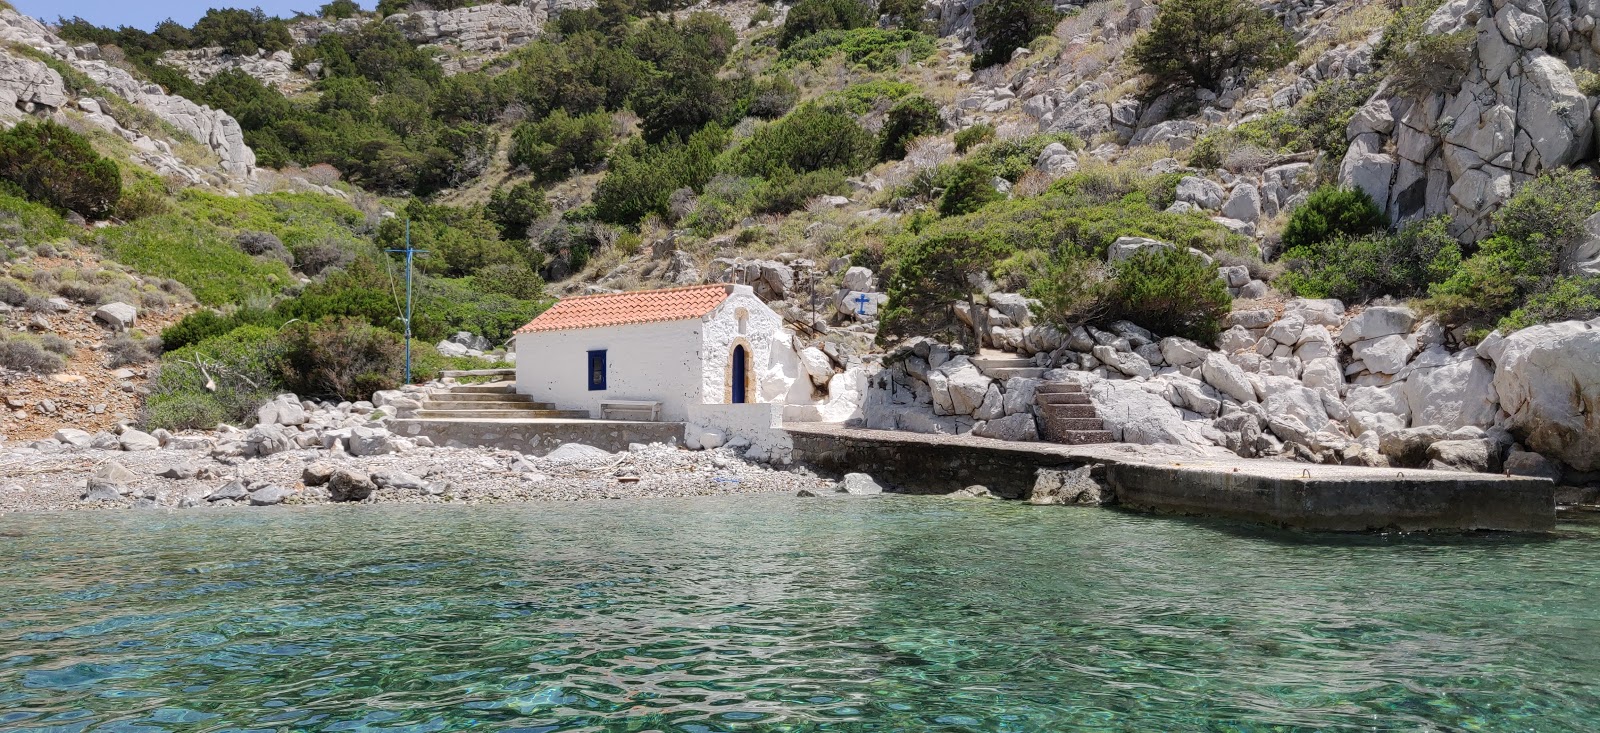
(619, 309)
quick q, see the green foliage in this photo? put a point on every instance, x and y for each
(29, 224)
(517, 208)
(1537, 231)
(207, 324)
(57, 167)
(1009, 159)
(460, 240)
(971, 186)
(931, 272)
(785, 191)
(773, 96)
(239, 364)
(559, 144)
(811, 138)
(860, 99)
(241, 32)
(1005, 25)
(641, 177)
(1419, 63)
(1567, 298)
(1200, 43)
(1331, 212)
(1355, 269)
(909, 119)
(339, 10)
(342, 359)
(1169, 291)
(974, 136)
(873, 49)
(907, 14)
(808, 17)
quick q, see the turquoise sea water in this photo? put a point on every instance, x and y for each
(783, 614)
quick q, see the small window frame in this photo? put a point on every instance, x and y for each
(596, 372)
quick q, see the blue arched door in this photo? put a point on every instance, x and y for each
(738, 374)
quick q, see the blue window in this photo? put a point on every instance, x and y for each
(597, 370)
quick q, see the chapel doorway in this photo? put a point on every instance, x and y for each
(738, 375)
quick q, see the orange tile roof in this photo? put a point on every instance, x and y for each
(619, 309)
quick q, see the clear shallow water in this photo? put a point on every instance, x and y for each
(776, 613)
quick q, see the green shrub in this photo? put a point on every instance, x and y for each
(873, 49)
(1328, 213)
(29, 224)
(517, 208)
(207, 262)
(1200, 43)
(556, 145)
(460, 240)
(339, 9)
(1354, 269)
(811, 16)
(1536, 231)
(1567, 298)
(773, 96)
(1009, 159)
(57, 167)
(860, 99)
(1419, 63)
(811, 138)
(641, 177)
(242, 32)
(206, 324)
(1170, 291)
(971, 187)
(124, 350)
(974, 136)
(342, 359)
(787, 191)
(222, 379)
(930, 273)
(1003, 26)
(909, 119)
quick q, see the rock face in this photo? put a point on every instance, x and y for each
(28, 86)
(275, 69)
(1517, 112)
(475, 30)
(1548, 382)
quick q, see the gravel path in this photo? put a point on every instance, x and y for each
(35, 481)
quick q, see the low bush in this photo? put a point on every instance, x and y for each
(1169, 291)
(974, 136)
(970, 188)
(342, 359)
(873, 49)
(516, 208)
(264, 244)
(1419, 63)
(58, 167)
(907, 120)
(1536, 234)
(1330, 213)
(1355, 269)
(1003, 26)
(641, 178)
(809, 17)
(222, 379)
(126, 349)
(553, 147)
(773, 96)
(811, 138)
(1009, 159)
(20, 353)
(786, 191)
(1566, 298)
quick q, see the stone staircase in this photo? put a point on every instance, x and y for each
(1068, 415)
(1001, 365)
(492, 401)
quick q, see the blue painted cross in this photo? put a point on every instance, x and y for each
(861, 301)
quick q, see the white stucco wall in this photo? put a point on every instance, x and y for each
(657, 362)
(721, 332)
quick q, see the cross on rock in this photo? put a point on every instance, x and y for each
(861, 304)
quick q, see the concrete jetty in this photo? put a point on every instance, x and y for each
(1163, 480)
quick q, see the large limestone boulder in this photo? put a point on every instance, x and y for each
(1548, 381)
(1451, 390)
(957, 387)
(1227, 378)
(1138, 412)
(1018, 427)
(1377, 322)
(1201, 192)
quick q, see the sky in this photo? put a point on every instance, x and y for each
(147, 13)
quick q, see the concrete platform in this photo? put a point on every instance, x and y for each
(1166, 480)
(537, 436)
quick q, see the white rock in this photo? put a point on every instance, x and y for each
(1018, 427)
(1287, 329)
(1201, 192)
(1377, 322)
(1386, 354)
(1181, 352)
(859, 484)
(1227, 378)
(1548, 382)
(118, 315)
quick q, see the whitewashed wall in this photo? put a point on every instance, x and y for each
(657, 362)
(763, 332)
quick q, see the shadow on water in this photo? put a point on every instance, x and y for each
(1309, 538)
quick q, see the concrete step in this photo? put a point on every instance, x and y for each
(1068, 411)
(486, 405)
(1059, 388)
(502, 415)
(1029, 372)
(1086, 437)
(490, 387)
(479, 397)
(1066, 425)
(1062, 398)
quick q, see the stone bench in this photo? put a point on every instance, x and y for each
(630, 410)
